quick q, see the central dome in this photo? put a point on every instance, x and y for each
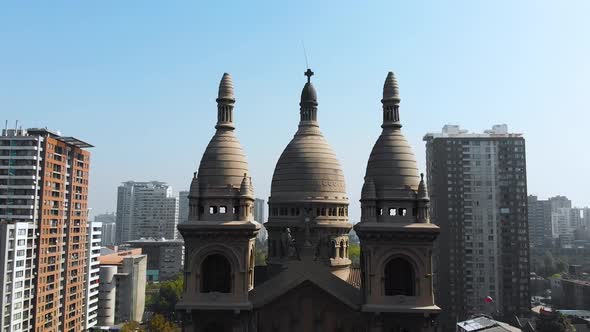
(308, 169)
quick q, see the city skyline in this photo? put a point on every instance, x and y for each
(118, 80)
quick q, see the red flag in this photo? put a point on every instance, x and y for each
(489, 299)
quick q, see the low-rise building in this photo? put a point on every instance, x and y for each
(485, 324)
(570, 293)
(122, 286)
(165, 258)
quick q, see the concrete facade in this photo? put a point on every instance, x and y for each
(308, 283)
(479, 199)
(165, 258)
(122, 287)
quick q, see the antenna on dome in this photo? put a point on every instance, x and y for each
(305, 54)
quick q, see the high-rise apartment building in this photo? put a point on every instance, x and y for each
(479, 199)
(539, 216)
(165, 258)
(109, 230)
(146, 209)
(92, 273)
(260, 217)
(109, 234)
(17, 264)
(183, 207)
(553, 222)
(43, 201)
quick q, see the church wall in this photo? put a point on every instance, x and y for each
(308, 308)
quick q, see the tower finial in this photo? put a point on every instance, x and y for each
(390, 102)
(390, 88)
(309, 73)
(225, 103)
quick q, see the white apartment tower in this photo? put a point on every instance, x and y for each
(92, 273)
(146, 209)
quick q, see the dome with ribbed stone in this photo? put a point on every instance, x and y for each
(308, 169)
(392, 165)
(224, 162)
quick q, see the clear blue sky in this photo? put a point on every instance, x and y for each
(138, 79)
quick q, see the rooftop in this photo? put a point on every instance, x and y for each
(485, 324)
(46, 132)
(155, 241)
(455, 131)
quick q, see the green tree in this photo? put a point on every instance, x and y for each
(561, 265)
(553, 323)
(158, 323)
(549, 263)
(131, 326)
(354, 253)
(164, 301)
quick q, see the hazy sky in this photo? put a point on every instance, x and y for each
(138, 79)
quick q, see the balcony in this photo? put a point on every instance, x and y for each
(16, 216)
(12, 206)
(19, 147)
(17, 186)
(21, 177)
(19, 157)
(18, 196)
(34, 167)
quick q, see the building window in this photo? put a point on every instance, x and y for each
(223, 209)
(399, 278)
(402, 211)
(342, 249)
(392, 211)
(212, 209)
(216, 274)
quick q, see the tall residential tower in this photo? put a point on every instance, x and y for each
(478, 190)
(43, 217)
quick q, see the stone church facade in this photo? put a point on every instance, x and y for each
(308, 283)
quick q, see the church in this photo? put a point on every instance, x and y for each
(308, 283)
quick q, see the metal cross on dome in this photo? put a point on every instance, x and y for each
(309, 74)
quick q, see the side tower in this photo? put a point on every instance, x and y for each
(220, 233)
(395, 232)
(308, 204)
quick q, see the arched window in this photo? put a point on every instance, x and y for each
(342, 249)
(216, 274)
(399, 278)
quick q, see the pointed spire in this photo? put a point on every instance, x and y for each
(422, 191)
(194, 189)
(225, 103)
(226, 88)
(390, 102)
(246, 186)
(390, 88)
